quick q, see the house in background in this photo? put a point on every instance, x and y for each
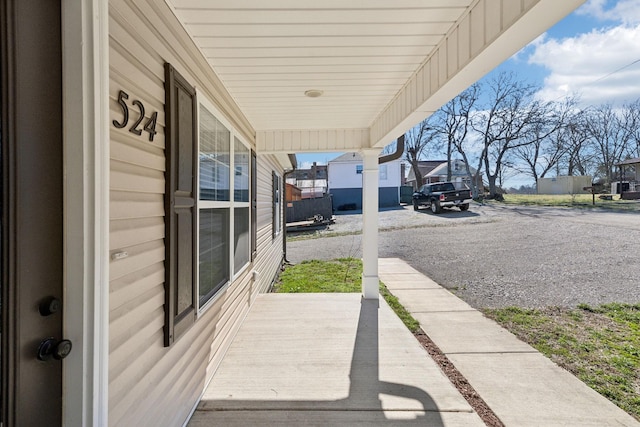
(459, 174)
(345, 182)
(436, 171)
(144, 147)
(312, 182)
(425, 167)
(403, 174)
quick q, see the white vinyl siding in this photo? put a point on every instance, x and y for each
(148, 383)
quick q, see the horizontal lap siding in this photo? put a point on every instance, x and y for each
(148, 383)
(266, 164)
(268, 247)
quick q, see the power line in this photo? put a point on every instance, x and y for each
(615, 71)
(603, 77)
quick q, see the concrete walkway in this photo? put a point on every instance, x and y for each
(519, 384)
(338, 360)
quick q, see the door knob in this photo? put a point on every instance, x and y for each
(50, 347)
(49, 306)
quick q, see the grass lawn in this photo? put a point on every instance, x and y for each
(599, 345)
(338, 275)
(580, 201)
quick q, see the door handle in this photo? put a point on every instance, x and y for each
(50, 347)
(49, 306)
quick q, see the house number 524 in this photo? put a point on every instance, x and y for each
(150, 124)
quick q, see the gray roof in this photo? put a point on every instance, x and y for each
(442, 170)
(425, 167)
(629, 162)
(347, 158)
(351, 158)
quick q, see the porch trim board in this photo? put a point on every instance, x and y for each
(318, 140)
(491, 32)
(86, 217)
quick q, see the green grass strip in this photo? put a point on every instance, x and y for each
(599, 345)
(338, 275)
(575, 201)
(409, 321)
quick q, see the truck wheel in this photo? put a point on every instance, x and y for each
(464, 207)
(435, 207)
(416, 205)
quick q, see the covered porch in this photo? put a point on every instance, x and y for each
(286, 77)
(341, 76)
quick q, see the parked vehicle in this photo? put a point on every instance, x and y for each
(440, 195)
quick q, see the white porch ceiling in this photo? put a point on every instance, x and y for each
(383, 65)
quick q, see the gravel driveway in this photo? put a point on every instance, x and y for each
(496, 256)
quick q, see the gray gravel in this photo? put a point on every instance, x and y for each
(496, 256)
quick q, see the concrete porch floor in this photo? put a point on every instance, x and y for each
(337, 359)
(328, 359)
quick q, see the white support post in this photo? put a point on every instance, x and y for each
(370, 223)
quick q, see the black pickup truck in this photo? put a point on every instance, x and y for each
(441, 194)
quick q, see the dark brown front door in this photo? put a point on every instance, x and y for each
(31, 233)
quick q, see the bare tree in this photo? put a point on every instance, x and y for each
(547, 138)
(507, 171)
(506, 123)
(455, 126)
(579, 157)
(389, 148)
(631, 125)
(609, 137)
(415, 145)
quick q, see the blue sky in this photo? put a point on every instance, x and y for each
(594, 53)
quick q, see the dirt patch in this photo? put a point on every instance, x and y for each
(459, 381)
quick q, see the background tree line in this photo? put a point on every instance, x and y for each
(502, 129)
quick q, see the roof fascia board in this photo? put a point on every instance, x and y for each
(311, 140)
(491, 32)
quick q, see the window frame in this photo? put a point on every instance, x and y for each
(253, 215)
(203, 102)
(182, 200)
(276, 204)
(383, 172)
(242, 204)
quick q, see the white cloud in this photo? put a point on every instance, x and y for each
(305, 165)
(597, 65)
(626, 11)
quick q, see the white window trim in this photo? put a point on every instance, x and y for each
(279, 213)
(383, 172)
(202, 100)
(247, 204)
